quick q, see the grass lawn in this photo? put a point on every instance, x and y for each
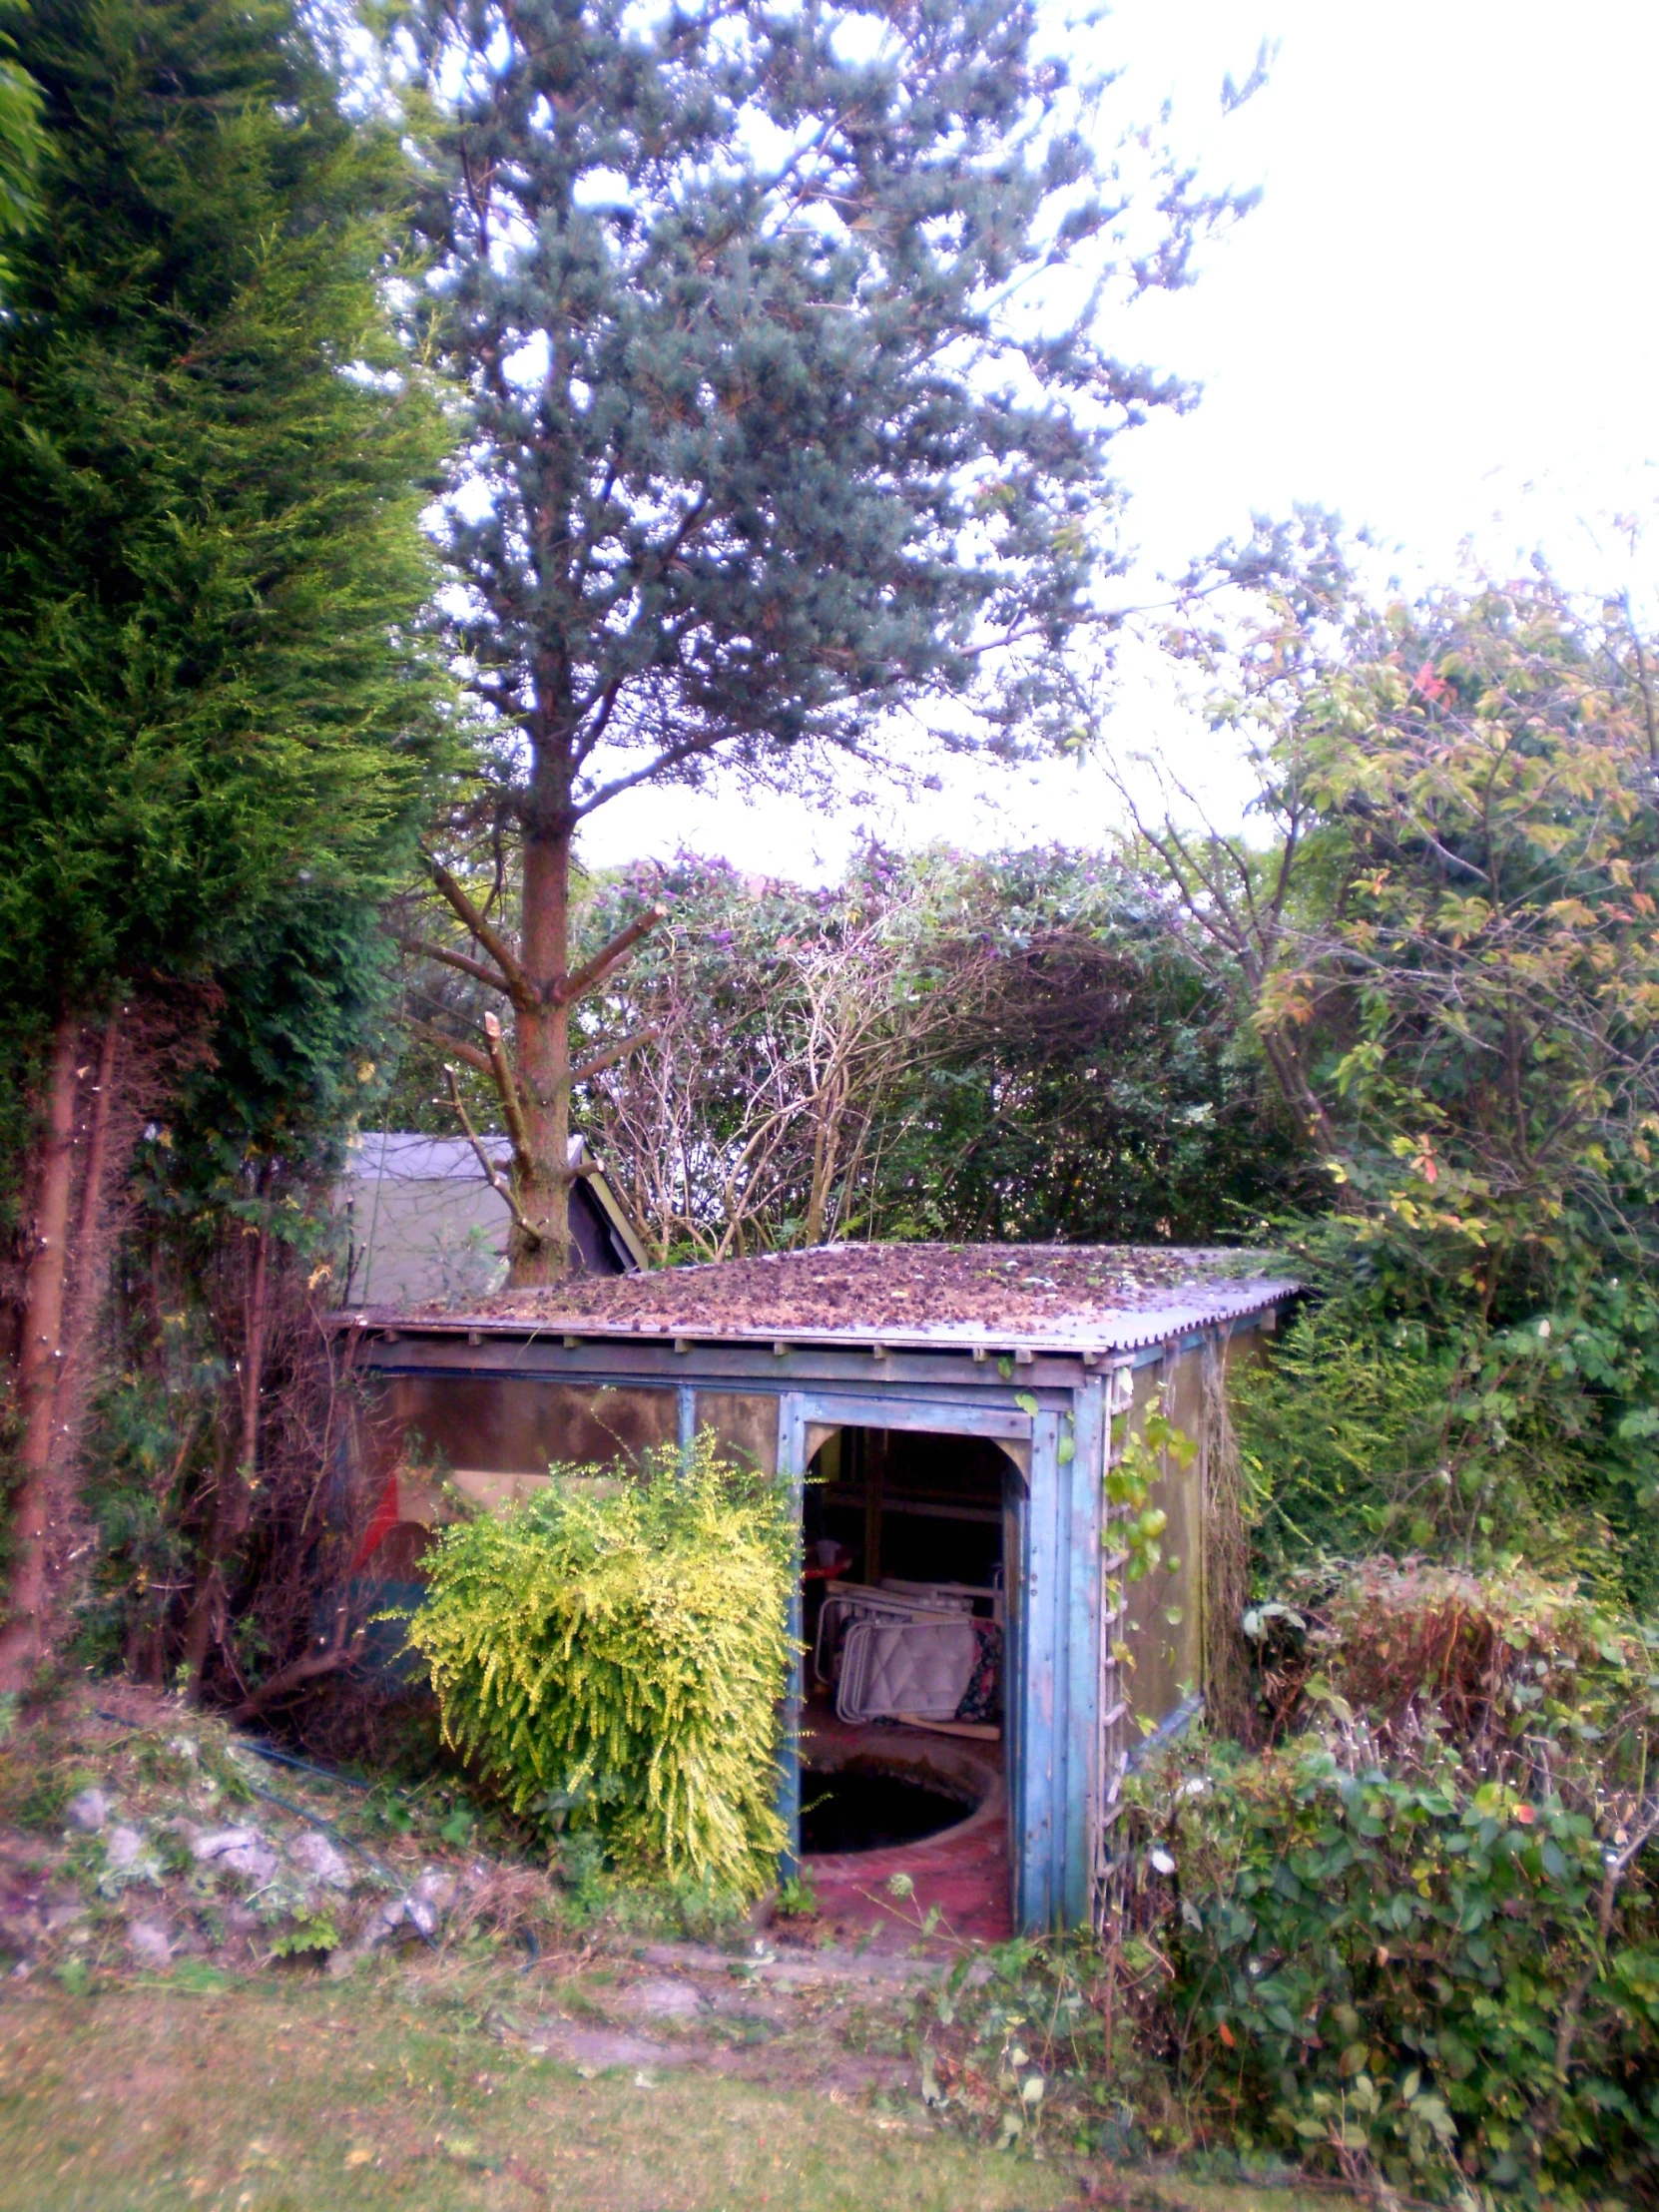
(160, 2046)
(305, 2095)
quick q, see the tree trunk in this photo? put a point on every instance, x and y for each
(24, 1639)
(236, 1491)
(541, 1250)
(89, 1272)
(534, 1084)
(1284, 1063)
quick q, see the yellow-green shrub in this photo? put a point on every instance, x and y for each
(612, 1654)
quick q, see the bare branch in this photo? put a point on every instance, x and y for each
(469, 1054)
(505, 1083)
(425, 950)
(338, 1653)
(492, 1174)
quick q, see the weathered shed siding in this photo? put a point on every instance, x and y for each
(467, 1430)
(746, 1421)
(1169, 1652)
(495, 1399)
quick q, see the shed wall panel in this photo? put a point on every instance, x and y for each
(1038, 1659)
(745, 1422)
(490, 1426)
(1081, 1512)
(1168, 1651)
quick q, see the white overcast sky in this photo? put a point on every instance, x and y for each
(1441, 322)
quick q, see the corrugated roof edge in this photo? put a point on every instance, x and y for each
(1182, 1315)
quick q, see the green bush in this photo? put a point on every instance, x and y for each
(1419, 1942)
(612, 1653)
(1365, 1431)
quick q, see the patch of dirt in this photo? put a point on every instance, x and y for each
(808, 1967)
(600, 2047)
(656, 2000)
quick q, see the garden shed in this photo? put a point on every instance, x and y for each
(946, 1416)
(425, 1228)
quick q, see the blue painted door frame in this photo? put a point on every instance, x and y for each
(1052, 1691)
(1054, 1683)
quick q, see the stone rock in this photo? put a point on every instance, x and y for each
(596, 2049)
(123, 1847)
(660, 1999)
(238, 1851)
(316, 1856)
(419, 1910)
(150, 1942)
(429, 1899)
(381, 1923)
(89, 1811)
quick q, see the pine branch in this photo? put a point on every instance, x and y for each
(492, 1174)
(425, 950)
(511, 1107)
(469, 1054)
(611, 1054)
(512, 979)
(590, 976)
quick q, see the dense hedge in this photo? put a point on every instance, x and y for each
(1419, 1940)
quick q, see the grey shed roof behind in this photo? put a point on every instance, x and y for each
(425, 1225)
(1101, 1297)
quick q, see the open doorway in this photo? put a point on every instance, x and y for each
(907, 1632)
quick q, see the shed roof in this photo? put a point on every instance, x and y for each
(428, 1180)
(1067, 1297)
(410, 1156)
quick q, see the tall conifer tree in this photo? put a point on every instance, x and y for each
(20, 143)
(766, 444)
(213, 449)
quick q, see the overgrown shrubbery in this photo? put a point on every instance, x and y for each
(1418, 1940)
(612, 1654)
(1368, 1431)
(1447, 946)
